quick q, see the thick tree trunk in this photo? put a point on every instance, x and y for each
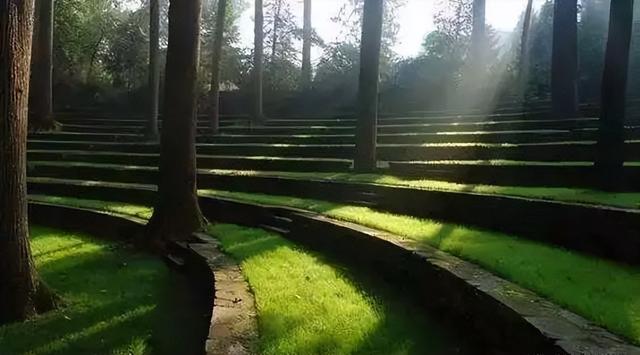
(22, 295)
(177, 214)
(366, 134)
(258, 64)
(524, 51)
(151, 131)
(305, 80)
(564, 61)
(610, 154)
(41, 97)
(214, 94)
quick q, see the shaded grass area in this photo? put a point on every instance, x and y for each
(110, 294)
(309, 305)
(602, 291)
(568, 194)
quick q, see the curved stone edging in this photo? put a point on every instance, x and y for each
(232, 325)
(233, 328)
(501, 313)
(580, 227)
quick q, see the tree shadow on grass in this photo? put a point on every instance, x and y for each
(110, 304)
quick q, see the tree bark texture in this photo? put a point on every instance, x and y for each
(366, 133)
(214, 118)
(524, 50)
(41, 86)
(258, 63)
(177, 213)
(22, 295)
(151, 130)
(610, 151)
(564, 61)
(478, 33)
(305, 80)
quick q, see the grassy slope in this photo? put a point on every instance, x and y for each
(110, 294)
(602, 291)
(307, 305)
(625, 200)
(599, 290)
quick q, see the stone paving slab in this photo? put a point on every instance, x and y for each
(233, 329)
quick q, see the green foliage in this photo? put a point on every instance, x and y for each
(127, 51)
(439, 76)
(111, 295)
(231, 63)
(81, 29)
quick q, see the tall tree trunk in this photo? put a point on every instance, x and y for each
(305, 80)
(41, 97)
(177, 213)
(524, 51)
(564, 61)
(276, 23)
(610, 153)
(214, 95)
(151, 131)
(258, 64)
(478, 34)
(366, 133)
(22, 295)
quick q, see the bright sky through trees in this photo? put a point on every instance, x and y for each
(416, 19)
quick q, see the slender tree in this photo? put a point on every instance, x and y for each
(218, 41)
(258, 63)
(305, 80)
(41, 97)
(22, 294)
(610, 153)
(478, 33)
(524, 49)
(151, 131)
(564, 59)
(177, 213)
(370, 43)
(277, 9)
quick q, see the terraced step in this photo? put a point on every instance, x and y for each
(338, 151)
(387, 254)
(515, 173)
(137, 123)
(118, 168)
(575, 226)
(87, 136)
(106, 133)
(553, 151)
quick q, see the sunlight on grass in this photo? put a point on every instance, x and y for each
(309, 306)
(110, 296)
(106, 206)
(602, 291)
(568, 194)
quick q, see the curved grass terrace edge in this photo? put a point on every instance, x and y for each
(599, 290)
(630, 200)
